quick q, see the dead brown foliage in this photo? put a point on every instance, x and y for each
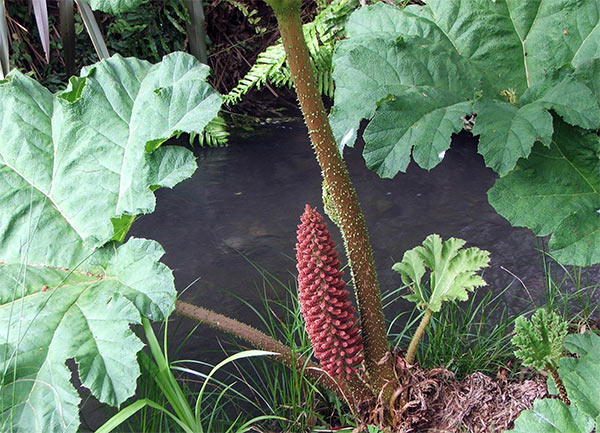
(434, 401)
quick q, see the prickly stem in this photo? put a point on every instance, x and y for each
(360, 256)
(562, 391)
(414, 342)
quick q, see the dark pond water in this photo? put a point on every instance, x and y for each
(245, 200)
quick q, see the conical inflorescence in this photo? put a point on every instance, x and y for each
(330, 317)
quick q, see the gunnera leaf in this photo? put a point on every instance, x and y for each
(70, 164)
(581, 375)
(557, 191)
(114, 6)
(540, 340)
(414, 73)
(553, 416)
(453, 271)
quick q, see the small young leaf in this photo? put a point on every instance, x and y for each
(453, 271)
(540, 341)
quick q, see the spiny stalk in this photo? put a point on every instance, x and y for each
(360, 256)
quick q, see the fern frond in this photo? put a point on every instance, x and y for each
(267, 63)
(320, 34)
(215, 134)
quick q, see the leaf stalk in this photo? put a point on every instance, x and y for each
(562, 391)
(414, 342)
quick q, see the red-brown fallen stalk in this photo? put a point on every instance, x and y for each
(330, 318)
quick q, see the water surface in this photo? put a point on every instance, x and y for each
(246, 200)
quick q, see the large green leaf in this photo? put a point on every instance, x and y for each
(506, 132)
(553, 416)
(414, 74)
(114, 6)
(581, 376)
(452, 271)
(70, 164)
(384, 56)
(425, 129)
(557, 191)
(98, 129)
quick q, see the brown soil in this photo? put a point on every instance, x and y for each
(435, 401)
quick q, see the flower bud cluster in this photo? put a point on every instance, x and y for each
(330, 317)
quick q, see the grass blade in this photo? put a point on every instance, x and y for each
(127, 412)
(40, 10)
(235, 357)
(91, 25)
(4, 53)
(196, 29)
(67, 34)
(165, 379)
(248, 425)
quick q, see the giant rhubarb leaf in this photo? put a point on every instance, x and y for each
(414, 73)
(114, 6)
(581, 375)
(557, 191)
(452, 271)
(553, 416)
(70, 164)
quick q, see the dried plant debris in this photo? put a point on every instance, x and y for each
(434, 401)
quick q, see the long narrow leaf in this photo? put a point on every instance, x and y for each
(40, 10)
(67, 34)
(91, 25)
(235, 357)
(196, 29)
(165, 379)
(125, 413)
(4, 54)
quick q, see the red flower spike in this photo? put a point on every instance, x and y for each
(329, 316)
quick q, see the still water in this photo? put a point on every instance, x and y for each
(246, 200)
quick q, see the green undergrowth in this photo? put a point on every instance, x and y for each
(465, 337)
(189, 396)
(287, 393)
(475, 335)
(572, 292)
